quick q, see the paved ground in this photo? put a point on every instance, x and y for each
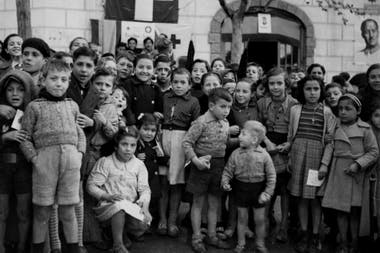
(161, 244)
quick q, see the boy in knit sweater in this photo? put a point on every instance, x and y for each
(55, 146)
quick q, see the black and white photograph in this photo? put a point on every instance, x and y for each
(180, 126)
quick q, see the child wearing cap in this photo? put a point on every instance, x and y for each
(35, 53)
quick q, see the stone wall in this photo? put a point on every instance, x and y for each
(56, 21)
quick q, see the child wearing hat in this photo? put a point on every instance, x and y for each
(35, 53)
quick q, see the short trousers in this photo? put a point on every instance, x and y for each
(282, 180)
(206, 181)
(172, 145)
(247, 194)
(56, 175)
(15, 177)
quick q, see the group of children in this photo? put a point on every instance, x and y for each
(88, 144)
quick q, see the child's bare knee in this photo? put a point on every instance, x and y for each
(42, 213)
(66, 213)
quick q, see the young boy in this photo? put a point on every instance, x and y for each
(35, 53)
(163, 72)
(55, 145)
(205, 144)
(255, 179)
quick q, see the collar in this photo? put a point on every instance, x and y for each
(186, 96)
(78, 84)
(359, 123)
(258, 149)
(209, 117)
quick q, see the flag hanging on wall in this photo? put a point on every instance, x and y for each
(158, 11)
(109, 32)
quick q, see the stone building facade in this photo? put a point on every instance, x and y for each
(302, 32)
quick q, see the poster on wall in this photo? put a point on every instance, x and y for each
(367, 47)
(138, 30)
(264, 23)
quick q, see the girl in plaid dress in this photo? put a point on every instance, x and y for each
(309, 139)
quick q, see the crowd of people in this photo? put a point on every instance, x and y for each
(87, 137)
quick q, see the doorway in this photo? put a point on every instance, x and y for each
(263, 53)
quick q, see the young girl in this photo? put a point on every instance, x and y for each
(252, 72)
(229, 85)
(218, 65)
(209, 81)
(199, 68)
(309, 138)
(120, 96)
(11, 53)
(274, 113)
(180, 109)
(333, 92)
(15, 172)
(355, 149)
(316, 70)
(149, 151)
(243, 108)
(121, 177)
(145, 96)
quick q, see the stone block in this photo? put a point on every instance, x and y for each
(214, 37)
(58, 4)
(331, 63)
(202, 55)
(48, 18)
(2, 4)
(340, 48)
(328, 32)
(186, 7)
(214, 48)
(8, 19)
(93, 4)
(201, 25)
(220, 16)
(77, 19)
(10, 5)
(348, 32)
(315, 14)
(206, 8)
(95, 14)
(201, 43)
(215, 26)
(321, 48)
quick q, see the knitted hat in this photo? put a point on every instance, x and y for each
(38, 44)
(354, 99)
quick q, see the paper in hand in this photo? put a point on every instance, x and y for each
(312, 179)
(16, 124)
(131, 208)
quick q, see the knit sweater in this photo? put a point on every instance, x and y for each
(51, 123)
